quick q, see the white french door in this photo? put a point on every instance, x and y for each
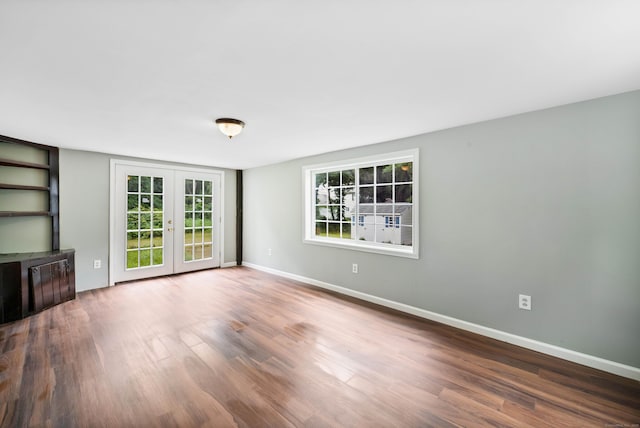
(197, 221)
(164, 220)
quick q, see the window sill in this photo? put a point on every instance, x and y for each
(391, 250)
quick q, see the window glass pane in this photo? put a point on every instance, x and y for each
(366, 195)
(404, 193)
(366, 175)
(321, 228)
(208, 251)
(208, 188)
(346, 213)
(382, 211)
(384, 173)
(365, 231)
(321, 212)
(366, 213)
(132, 185)
(404, 213)
(334, 230)
(199, 202)
(334, 195)
(348, 196)
(404, 172)
(384, 195)
(198, 187)
(157, 184)
(208, 235)
(188, 187)
(321, 179)
(387, 235)
(334, 178)
(207, 219)
(145, 184)
(406, 237)
(346, 230)
(207, 203)
(334, 213)
(348, 177)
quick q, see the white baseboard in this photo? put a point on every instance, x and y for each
(228, 264)
(535, 345)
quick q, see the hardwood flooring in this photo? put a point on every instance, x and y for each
(239, 347)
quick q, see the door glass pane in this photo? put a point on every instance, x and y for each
(145, 196)
(132, 202)
(188, 253)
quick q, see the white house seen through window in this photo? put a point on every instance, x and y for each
(364, 204)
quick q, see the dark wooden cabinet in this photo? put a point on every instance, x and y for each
(32, 282)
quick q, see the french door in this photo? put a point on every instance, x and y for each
(164, 221)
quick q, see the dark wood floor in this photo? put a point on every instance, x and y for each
(238, 347)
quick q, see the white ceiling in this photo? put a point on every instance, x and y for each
(147, 78)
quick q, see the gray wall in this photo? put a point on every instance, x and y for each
(84, 212)
(545, 203)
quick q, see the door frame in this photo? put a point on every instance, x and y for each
(172, 168)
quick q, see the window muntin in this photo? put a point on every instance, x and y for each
(367, 204)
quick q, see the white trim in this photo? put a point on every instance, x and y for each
(112, 198)
(228, 264)
(371, 247)
(535, 345)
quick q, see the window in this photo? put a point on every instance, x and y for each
(392, 221)
(366, 204)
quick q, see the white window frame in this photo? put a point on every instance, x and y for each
(367, 246)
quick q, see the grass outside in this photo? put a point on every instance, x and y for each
(150, 252)
(333, 230)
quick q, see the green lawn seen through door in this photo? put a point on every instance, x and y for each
(147, 252)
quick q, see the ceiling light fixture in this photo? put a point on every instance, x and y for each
(230, 127)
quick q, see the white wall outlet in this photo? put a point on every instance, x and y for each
(524, 302)
(354, 268)
(269, 252)
(97, 264)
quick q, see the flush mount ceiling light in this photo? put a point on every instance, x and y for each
(230, 127)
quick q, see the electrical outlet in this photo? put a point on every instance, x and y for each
(97, 264)
(354, 268)
(269, 252)
(524, 302)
